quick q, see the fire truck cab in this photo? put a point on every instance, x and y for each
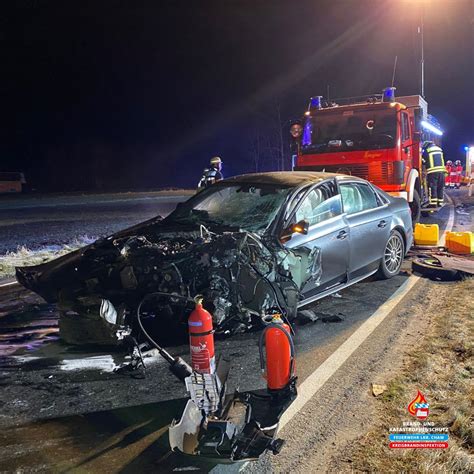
(378, 138)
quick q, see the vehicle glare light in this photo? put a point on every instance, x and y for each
(428, 126)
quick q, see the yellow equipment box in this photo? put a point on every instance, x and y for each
(460, 242)
(426, 234)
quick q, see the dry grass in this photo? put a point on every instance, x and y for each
(26, 257)
(442, 367)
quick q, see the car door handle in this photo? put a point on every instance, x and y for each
(382, 224)
(342, 235)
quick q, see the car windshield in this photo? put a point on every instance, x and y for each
(349, 130)
(250, 207)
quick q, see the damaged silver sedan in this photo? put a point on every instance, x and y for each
(250, 245)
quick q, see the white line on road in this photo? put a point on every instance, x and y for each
(9, 284)
(449, 224)
(328, 368)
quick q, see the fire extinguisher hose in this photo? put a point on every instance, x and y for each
(177, 365)
(261, 343)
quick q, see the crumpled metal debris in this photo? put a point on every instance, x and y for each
(460, 263)
(241, 275)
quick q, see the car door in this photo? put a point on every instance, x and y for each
(369, 221)
(324, 250)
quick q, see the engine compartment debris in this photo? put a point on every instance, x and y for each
(241, 275)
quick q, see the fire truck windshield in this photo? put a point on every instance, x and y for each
(349, 130)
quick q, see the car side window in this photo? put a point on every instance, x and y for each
(357, 197)
(318, 206)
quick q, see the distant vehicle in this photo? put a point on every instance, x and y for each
(11, 182)
(378, 138)
(251, 245)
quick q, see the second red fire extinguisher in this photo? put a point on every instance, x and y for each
(280, 354)
(201, 339)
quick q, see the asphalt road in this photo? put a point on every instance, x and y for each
(63, 408)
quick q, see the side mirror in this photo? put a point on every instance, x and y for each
(417, 136)
(300, 227)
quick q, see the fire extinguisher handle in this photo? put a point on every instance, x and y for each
(261, 343)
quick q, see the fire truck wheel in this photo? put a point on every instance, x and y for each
(430, 267)
(415, 207)
(392, 259)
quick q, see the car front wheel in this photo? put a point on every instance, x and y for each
(393, 255)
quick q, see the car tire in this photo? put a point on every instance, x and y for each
(415, 207)
(430, 267)
(393, 255)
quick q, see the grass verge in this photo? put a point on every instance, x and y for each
(26, 257)
(442, 368)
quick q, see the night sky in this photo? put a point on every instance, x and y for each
(136, 95)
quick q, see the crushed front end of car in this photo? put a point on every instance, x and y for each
(97, 289)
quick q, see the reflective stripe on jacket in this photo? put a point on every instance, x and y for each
(434, 160)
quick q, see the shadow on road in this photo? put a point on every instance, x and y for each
(133, 439)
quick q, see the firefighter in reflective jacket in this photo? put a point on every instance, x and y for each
(458, 169)
(433, 162)
(212, 174)
(449, 167)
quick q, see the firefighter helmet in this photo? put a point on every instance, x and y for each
(449, 162)
(457, 162)
(216, 160)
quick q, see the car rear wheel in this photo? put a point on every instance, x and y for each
(393, 255)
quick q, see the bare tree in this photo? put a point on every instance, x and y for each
(267, 140)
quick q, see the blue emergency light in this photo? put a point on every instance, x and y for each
(389, 94)
(316, 102)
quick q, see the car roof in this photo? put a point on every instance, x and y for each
(286, 178)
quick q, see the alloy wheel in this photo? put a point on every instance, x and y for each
(393, 253)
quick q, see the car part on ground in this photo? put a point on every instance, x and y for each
(243, 426)
(443, 266)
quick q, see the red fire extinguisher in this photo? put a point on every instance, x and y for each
(201, 339)
(280, 354)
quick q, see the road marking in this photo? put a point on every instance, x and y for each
(449, 224)
(326, 370)
(9, 284)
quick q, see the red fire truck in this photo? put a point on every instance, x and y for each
(377, 137)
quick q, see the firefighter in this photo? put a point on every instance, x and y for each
(433, 162)
(296, 132)
(452, 176)
(449, 167)
(212, 174)
(458, 169)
